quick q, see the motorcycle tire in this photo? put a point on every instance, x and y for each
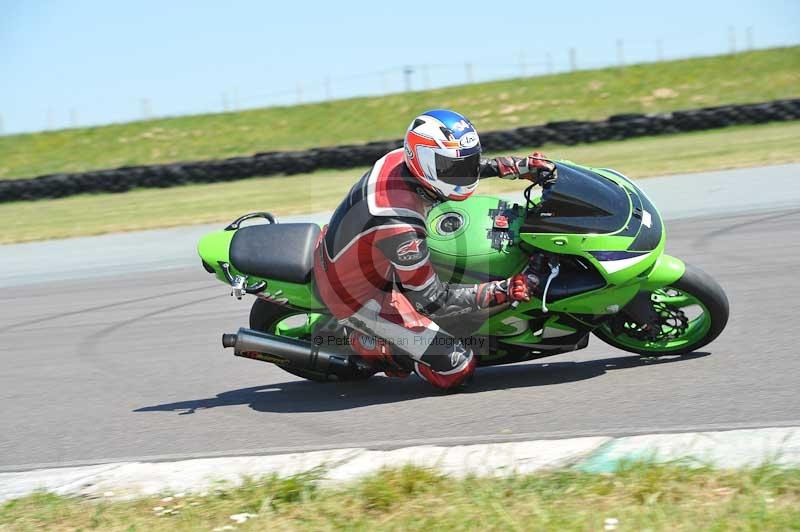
(709, 296)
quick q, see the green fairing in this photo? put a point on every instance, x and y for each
(473, 253)
(666, 271)
(469, 249)
(213, 249)
(458, 257)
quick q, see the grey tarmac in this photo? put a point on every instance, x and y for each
(128, 365)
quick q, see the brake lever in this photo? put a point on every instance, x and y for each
(531, 269)
(555, 269)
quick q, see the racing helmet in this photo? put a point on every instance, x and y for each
(443, 151)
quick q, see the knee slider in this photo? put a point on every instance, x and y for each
(446, 354)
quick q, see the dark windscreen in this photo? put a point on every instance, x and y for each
(579, 202)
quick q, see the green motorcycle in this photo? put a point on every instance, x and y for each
(599, 244)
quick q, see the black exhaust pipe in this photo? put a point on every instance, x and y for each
(228, 340)
(289, 352)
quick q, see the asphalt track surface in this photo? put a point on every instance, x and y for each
(130, 366)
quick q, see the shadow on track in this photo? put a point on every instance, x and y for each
(305, 396)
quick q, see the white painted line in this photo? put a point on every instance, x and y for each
(131, 479)
(61, 481)
(387, 445)
(735, 448)
(482, 460)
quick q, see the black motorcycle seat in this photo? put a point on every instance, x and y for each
(284, 252)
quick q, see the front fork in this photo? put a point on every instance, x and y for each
(639, 310)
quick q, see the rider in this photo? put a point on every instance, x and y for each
(372, 265)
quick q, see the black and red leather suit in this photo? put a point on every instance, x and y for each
(374, 272)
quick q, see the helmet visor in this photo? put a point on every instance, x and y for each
(458, 171)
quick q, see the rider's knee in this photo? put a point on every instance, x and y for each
(448, 367)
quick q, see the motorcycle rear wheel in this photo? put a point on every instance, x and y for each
(680, 332)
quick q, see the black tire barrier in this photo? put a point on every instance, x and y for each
(617, 127)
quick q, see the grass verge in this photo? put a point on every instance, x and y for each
(593, 94)
(639, 496)
(152, 208)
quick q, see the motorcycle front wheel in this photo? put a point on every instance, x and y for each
(692, 312)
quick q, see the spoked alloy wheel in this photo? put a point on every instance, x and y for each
(692, 312)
